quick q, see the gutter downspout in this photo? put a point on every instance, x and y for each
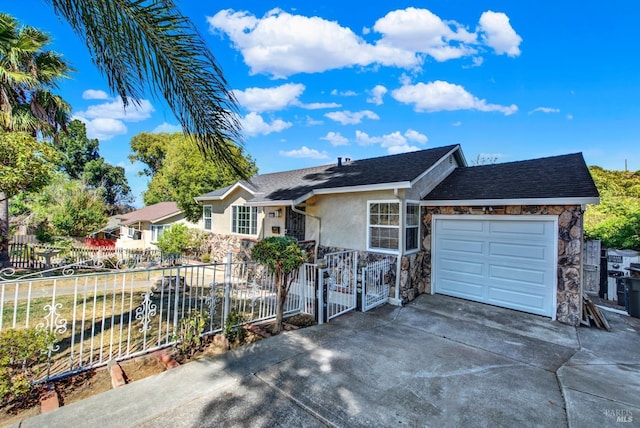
(396, 193)
(304, 213)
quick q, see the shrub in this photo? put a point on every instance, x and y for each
(205, 258)
(187, 337)
(22, 353)
(233, 328)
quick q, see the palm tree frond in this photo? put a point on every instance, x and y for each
(149, 44)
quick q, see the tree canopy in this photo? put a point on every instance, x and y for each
(616, 220)
(26, 165)
(182, 172)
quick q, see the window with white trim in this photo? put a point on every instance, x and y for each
(207, 217)
(384, 225)
(412, 227)
(244, 220)
(156, 231)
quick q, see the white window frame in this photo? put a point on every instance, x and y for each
(413, 227)
(157, 230)
(131, 232)
(383, 226)
(209, 217)
(235, 221)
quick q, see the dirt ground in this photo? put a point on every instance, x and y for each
(87, 384)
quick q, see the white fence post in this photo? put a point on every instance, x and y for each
(227, 289)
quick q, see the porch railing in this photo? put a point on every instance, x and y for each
(117, 315)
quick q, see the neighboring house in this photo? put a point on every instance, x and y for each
(141, 229)
(506, 234)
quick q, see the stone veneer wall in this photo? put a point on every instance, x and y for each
(218, 246)
(416, 269)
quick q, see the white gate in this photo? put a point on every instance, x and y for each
(375, 290)
(338, 284)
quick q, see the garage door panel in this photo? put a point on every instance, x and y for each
(523, 230)
(464, 226)
(504, 262)
(454, 266)
(531, 303)
(529, 276)
(525, 253)
(465, 290)
(463, 246)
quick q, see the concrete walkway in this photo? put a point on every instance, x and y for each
(437, 362)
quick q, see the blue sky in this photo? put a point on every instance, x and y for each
(512, 80)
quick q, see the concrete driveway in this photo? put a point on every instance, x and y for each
(438, 361)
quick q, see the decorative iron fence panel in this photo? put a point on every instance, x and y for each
(116, 315)
(375, 290)
(340, 279)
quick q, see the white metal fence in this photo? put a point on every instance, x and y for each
(375, 284)
(340, 277)
(100, 317)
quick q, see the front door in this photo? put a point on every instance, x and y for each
(294, 224)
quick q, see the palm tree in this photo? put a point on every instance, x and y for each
(26, 103)
(149, 45)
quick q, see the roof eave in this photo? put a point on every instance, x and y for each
(523, 201)
(225, 194)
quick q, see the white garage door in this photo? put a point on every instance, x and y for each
(504, 261)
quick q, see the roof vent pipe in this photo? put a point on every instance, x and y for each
(339, 161)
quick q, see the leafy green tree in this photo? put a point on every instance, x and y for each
(25, 165)
(111, 181)
(175, 240)
(150, 149)
(185, 173)
(283, 256)
(77, 149)
(68, 208)
(27, 72)
(616, 220)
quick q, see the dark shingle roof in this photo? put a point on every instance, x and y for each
(291, 185)
(565, 176)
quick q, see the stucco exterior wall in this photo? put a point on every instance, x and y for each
(343, 218)
(417, 278)
(144, 227)
(221, 212)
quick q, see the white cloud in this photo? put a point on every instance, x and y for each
(347, 117)
(377, 93)
(499, 34)
(569, 117)
(416, 137)
(421, 31)
(254, 124)
(94, 94)
(311, 121)
(281, 44)
(103, 128)
(105, 121)
(304, 152)
(394, 142)
(348, 93)
(441, 96)
(336, 139)
(272, 99)
(269, 99)
(456, 123)
(116, 110)
(545, 110)
(168, 128)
